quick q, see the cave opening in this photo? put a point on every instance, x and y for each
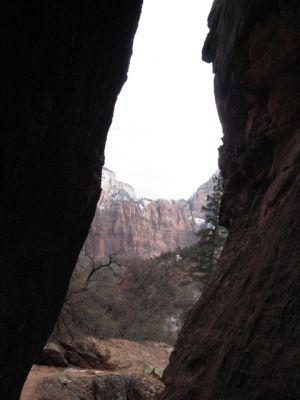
(64, 64)
(163, 143)
(142, 243)
(138, 274)
(152, 206)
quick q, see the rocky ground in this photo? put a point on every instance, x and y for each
(125, 370)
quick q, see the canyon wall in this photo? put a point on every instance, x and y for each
(63, 65)
(241, 340)
(131, 226)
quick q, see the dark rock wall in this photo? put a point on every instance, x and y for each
(242, 340)
(63, 65)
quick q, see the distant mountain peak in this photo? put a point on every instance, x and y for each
(114, 189)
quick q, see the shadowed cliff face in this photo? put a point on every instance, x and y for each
(63, 65)
(241, 341)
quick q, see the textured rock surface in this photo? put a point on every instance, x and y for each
(126, 225)
(84, 353)
(81, 385)
(63, 65)
(133, 369)
(241, 341)
(110, 354)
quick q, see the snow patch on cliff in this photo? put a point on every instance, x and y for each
(199, 221)
(115, 190)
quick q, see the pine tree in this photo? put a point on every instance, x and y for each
(212, 237)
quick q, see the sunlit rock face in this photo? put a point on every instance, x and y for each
(63, 65)
(131, 226)
(241, 341)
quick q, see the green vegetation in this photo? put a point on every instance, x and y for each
(202, 257)
(212, 238)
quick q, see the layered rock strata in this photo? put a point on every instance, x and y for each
(63, 65)
(130, 226)
(241, 341)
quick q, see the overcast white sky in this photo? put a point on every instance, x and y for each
(164, 137)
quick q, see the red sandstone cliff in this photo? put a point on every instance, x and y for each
(128, 225)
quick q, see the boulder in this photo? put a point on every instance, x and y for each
(52, 355)
(73, 384)
(86, 353)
